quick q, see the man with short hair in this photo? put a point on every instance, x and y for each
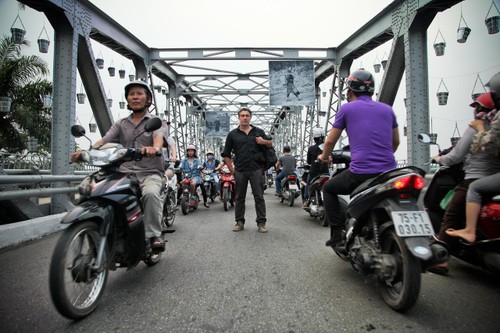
(287, 163)
(245, 142)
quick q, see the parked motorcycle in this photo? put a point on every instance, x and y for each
(106, 230)
(209, 183)
(485, 252)
(188, 201)
(289, 189)
(227, 188)
(387, 234)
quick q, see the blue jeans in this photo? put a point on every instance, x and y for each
(278, 180)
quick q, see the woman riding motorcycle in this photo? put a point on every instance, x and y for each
(189, 166)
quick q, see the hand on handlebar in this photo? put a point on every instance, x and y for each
(150, 151)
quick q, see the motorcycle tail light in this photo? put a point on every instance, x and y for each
(292, 177)
(409, 182)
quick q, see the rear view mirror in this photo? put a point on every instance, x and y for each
(77, 131)
(153, 124)
(424, 138)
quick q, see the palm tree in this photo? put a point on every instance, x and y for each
(21, 79)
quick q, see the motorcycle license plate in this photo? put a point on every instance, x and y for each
(412, 223)
(292, 187)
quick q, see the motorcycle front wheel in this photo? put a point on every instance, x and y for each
(76, 286)
(185, 205)
(225, 198)
(168, 216)
(400, 292)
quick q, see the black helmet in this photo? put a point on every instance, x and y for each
(361, 81)
(138, 83)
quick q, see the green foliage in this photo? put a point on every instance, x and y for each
(21, 79)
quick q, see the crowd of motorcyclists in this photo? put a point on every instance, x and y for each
(373, 138)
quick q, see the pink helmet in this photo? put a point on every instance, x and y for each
(485, 101)
(191, 147)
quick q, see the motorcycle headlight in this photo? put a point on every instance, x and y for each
(117, 154)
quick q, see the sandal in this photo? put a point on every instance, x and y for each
(206, 205)
(440, 269)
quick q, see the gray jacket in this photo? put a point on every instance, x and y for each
(477, 165)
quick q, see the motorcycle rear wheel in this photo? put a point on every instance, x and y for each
(291, 199)
(75, 288)
(153, 259)
(185, 205)
(401, 292)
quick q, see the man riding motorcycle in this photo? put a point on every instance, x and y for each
(148, 172)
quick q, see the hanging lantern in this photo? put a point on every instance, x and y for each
(455, 136)
(475, 94)
(376, 65)
(122, 105)
(18, 33)
(5, 103)
(433, 137)
(92, 125)
(384, 61)
(442, 95)
(32, 143)
(99, 61)
(439, 46)
(463, 31)
(111, 69)
(109, 102)
(492, 22)
(80, 97)
(43, 43)
(47, 101)
(121, 72)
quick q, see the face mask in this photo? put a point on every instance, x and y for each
(210, 157)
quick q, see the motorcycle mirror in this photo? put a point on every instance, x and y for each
(153, 124)
(424, 138)
(77, 131)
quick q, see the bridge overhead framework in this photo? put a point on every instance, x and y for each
(199, 81)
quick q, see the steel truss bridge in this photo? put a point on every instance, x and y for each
(192, 89)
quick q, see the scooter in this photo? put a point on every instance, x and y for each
(169, 199)
(269, 178)
(209, 183)
(188, 201)
(387, 234)
(106, 230)
(227, 188)
(485, 252)
(290, 189)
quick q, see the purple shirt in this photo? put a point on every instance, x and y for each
(369, 126)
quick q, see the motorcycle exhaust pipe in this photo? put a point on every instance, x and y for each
(439, 253)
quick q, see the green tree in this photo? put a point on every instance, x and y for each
(21, 78)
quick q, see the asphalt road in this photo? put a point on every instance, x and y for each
(212, 279)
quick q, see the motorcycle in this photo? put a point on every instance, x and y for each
(227, 188)
(485, 252)
(169, 198)
(269, 179)
(315, 204)
(209, 183)
(189, 201)
(290, 189)
(387, 234)
(106, 230)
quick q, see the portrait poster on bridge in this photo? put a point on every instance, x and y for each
(291, 83)
(216, 124)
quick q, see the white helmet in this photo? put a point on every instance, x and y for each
(318, 132)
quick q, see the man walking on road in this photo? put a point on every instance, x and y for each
(244, 142)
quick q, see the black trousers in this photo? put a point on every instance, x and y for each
(342, 183)
(255, 178)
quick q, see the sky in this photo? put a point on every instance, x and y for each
(297, 24)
